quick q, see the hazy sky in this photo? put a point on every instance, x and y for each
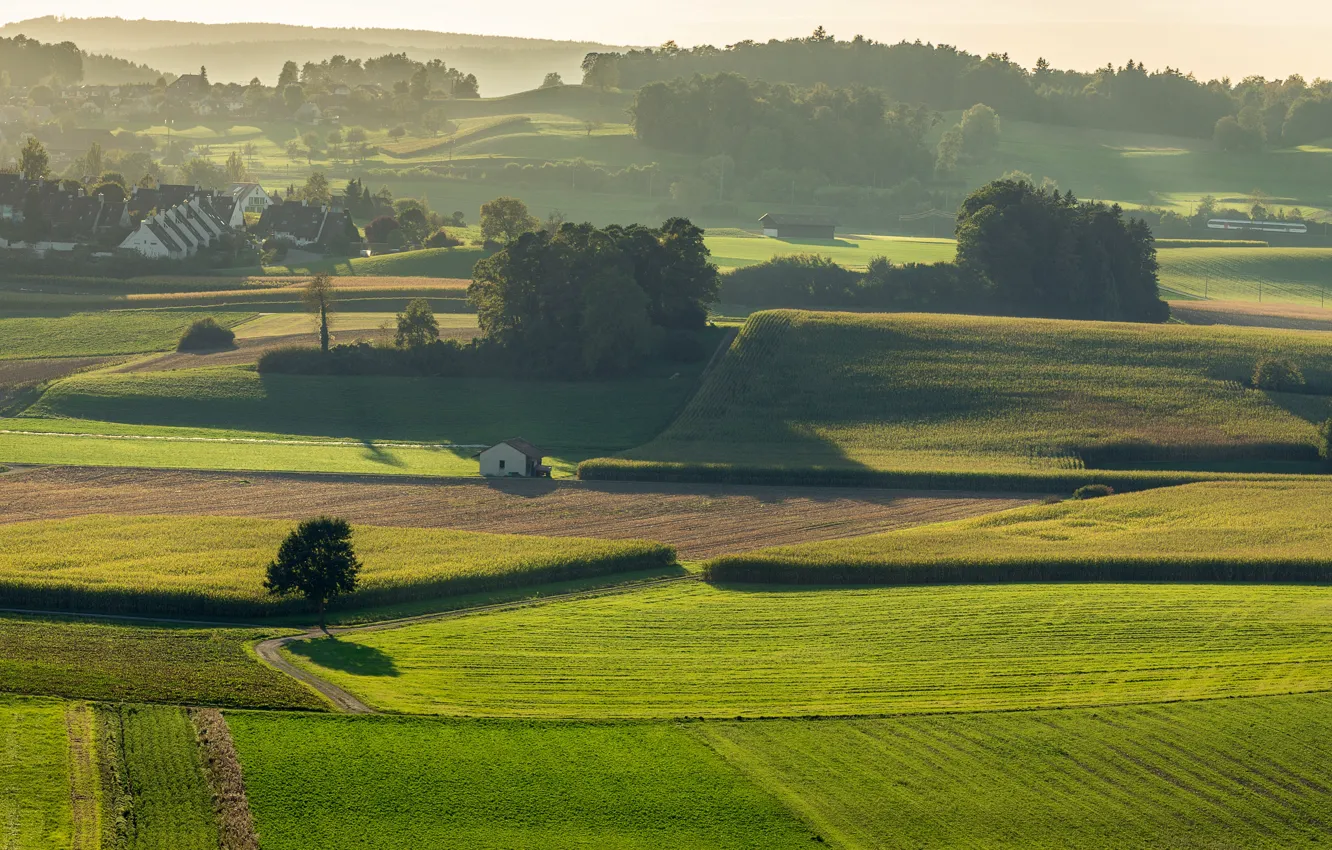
(1212, 38)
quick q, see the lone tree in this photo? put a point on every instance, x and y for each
(317, 561)
(318, 297)
(417, 326)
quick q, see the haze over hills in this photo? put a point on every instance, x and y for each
(241, 51)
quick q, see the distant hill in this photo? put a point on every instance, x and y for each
(238, 52)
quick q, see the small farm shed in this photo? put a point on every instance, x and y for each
(513, 457)
(792, 226)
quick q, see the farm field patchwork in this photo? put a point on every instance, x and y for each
(158, 796)
(98, 334)
(35, 811)
(920, 392)
(118, 661)
(1247, 773)
(699, 520)
(431, 783)
(694, 650)
(1216, 531)
(214, 566)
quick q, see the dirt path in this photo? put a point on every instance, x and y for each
(223, 768)
(86, 831)
(271, 650)
(700, 520)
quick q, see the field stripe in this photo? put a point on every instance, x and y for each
(223, 769)
(83, 777)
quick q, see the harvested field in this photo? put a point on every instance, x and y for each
(1296, 317)
(699, 520)
(18, 376)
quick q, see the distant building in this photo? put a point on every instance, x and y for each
(308, 113)
(248, 198)
(515, 457)
(303, 225)
(177, 232)
(793, 226)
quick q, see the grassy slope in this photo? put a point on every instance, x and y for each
(1251, 530)
(1225, 773)
(34, 775)
(429, 262)
(921, 392)
(92, 334)
(156, 764)
(849, 251)
(1289, 275)
(215, 565)
(120, 662)
(429, 783)
(696, 650)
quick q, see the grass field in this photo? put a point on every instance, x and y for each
(694, 650)
(1270, 275)
(98, 334)
(215, 565)
(1249, 773)
(1252, 531)
(487, 785)
(850, 251)
(920, 392)
(428, 262)
(159, 798)
(35, 812)
(134, 662)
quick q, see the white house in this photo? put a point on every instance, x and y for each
(515, 457)
(249, 198)
(176, 232)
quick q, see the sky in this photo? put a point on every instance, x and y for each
(1213, 38)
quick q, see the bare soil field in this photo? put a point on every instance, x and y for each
(1294, 317)
(700, 520)
(17, 376)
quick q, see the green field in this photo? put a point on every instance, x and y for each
(95, 334)
(429, 262)
(214, 566)
(921, 392)
(1249, 773)
(34, 775)
(507, 786)
(1277, 275)
(157, 797)
(850, 251)
(131, 662)
(694, 650)
(1252, 531)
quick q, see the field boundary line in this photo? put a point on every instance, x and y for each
(270, 651)
(83, 778)
(243, 440)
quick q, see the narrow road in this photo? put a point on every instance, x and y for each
(270, 651)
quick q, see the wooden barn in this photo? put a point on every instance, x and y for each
(515, 457)
(795, 226)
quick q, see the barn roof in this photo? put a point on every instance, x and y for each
(525, 447)
(795, 219)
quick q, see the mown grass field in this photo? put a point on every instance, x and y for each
(35, 812)
(427, 262)
(215, 565)
(1247, 773)
(154, 793)
(1251, 531)
(850, 251)
(694, 650)
(134, 662)
(1270, 275)
(414, 783)
(97, 334)
(919, 392)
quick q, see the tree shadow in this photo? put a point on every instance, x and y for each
(354, 658)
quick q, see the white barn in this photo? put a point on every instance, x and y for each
(515, 457)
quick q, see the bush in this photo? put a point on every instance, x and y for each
(206, 335)
(1277, 374)
(1325, 440)
(441, 239)
(1093, 491)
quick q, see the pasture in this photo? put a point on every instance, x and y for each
(485, 785)
(1260, 275)
(1216, 531)
(916, 393)
(95, 659)
(35, 810)
(1222, 773)
(214, 566)
(690, 649)
(451, 263)
(98, 334)
(855, 252)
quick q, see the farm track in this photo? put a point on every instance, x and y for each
(270, 651)
(701, 521)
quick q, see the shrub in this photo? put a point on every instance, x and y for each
(1325, 440)
(1093, 491)
(441, 239)
(206, 335)
(379, 229)
(1278, 374)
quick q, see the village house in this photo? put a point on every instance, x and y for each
(303, 225)
(516, 458)
(178, 231)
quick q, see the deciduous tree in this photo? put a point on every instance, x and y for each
(316, 560)
(318, 297)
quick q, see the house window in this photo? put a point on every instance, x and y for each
(501, 464)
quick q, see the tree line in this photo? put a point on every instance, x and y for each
(27, 62)
(942, 77)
